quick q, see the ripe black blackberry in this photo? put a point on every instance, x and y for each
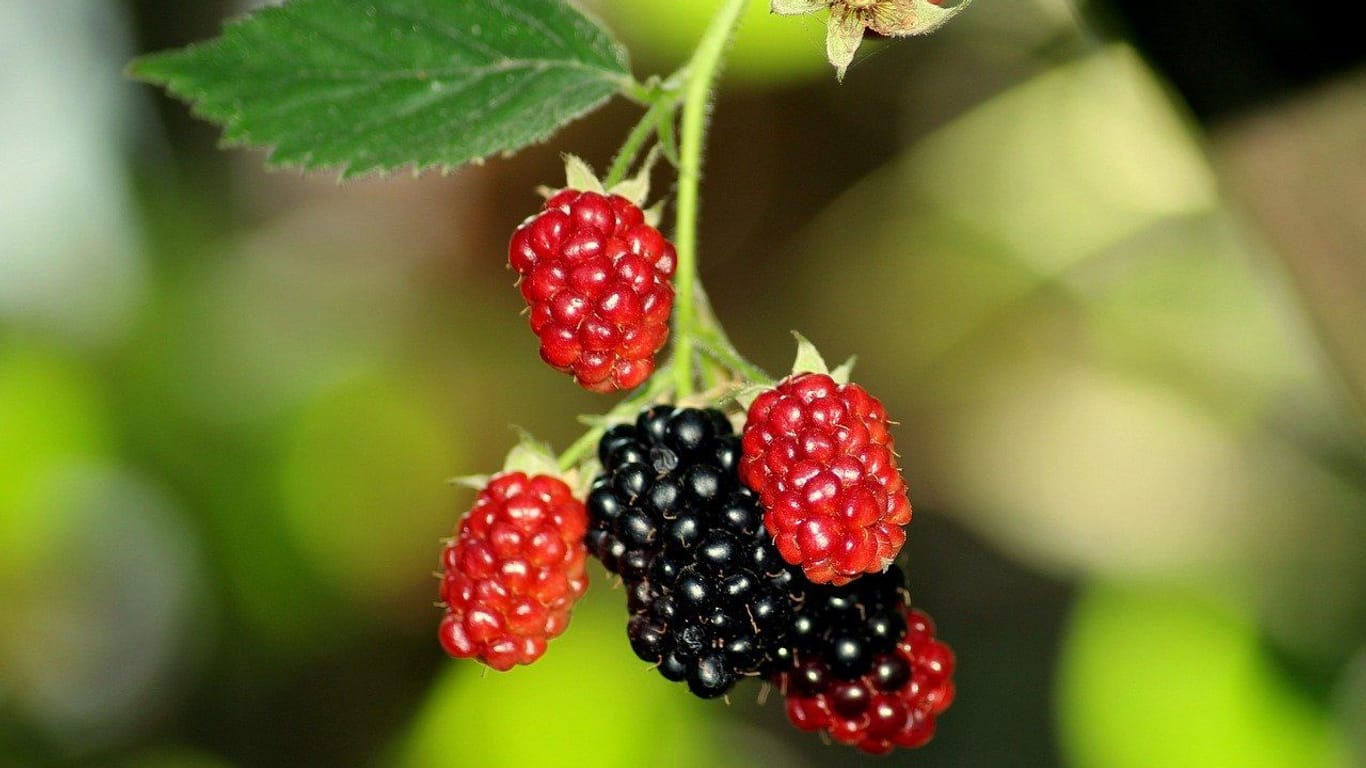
(707, 590)
(842, 632)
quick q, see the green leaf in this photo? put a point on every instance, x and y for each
(365, 87)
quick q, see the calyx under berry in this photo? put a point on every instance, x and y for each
(579, 175)
(596, 276)
(821, 455)
(513, 571)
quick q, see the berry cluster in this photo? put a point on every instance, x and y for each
(766, 555)
(821, 457)
(514, 570)
(894, 703)
(707, 593)
(596, 278)
(710, 601)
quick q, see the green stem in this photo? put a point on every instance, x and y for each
(627, 408)
(710, 370)
(635, 140)
(641, 93)
(579, 448)
(702, 71)
(718, 347)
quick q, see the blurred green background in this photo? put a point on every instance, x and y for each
(1106, 266)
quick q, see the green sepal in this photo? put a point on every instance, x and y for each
(809, 359)
(746, 395)
(531, 456)
(637, 188)
(655, 213)
(842, 39)
(930, 17)
(579, 175)
(842, 373)
(477, 482)
(580, 479)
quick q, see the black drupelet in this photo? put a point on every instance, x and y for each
(710, 598)
(843, 633)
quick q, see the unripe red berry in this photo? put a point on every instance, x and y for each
(596, 278)
(822, 459)
(513, 571)
(895, 704)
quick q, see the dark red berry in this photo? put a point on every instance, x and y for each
(596, 278)
(808, 679)
(848, 699)
(822, 459)
(895, 704)
(514, 570)
(890, 672)
(843, 627)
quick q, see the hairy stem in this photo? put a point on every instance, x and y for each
(626, 409)
(717, 347)
(702, 71)
(636, 139)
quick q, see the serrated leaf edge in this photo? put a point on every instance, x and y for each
(184, 88)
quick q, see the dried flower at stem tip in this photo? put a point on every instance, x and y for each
(851, 19)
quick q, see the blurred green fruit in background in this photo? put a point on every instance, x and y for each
(357, 486)
(1157, 676)
(588, 701)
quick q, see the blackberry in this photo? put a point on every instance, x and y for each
(708, 593)
(846, 629)
(894, 704)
